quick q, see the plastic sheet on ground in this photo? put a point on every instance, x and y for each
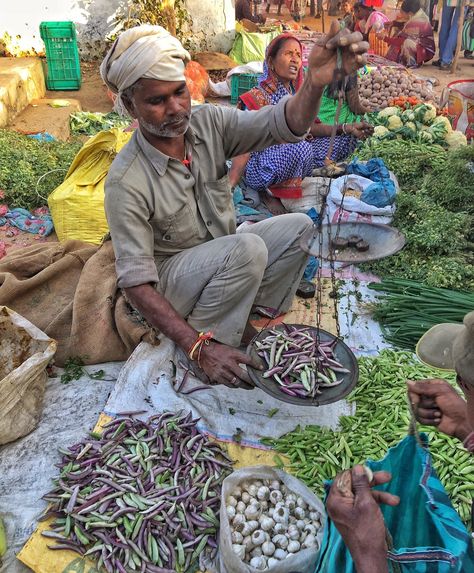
(73, 410)
(360, 331)
(27, 465)
(146, 383)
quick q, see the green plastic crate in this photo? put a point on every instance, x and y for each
(241, 83)
(62, 55)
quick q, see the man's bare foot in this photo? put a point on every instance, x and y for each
(273, 204)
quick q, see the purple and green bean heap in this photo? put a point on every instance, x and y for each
(299, 362)
(143, 497)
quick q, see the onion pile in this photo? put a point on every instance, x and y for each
(270, 523)
(384, 84)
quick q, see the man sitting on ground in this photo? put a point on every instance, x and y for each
(169, 204)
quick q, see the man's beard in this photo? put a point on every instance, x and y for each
(168, 128)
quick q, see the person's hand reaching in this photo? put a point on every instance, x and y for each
(436, 403)
(322, 60)
(354, 509)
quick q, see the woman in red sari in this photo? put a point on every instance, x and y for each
(414, 44)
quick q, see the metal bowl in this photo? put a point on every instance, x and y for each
(342, 353)
(383, 241)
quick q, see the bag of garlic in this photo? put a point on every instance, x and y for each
(269, 520)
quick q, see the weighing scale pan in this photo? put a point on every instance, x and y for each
(383, 241)
(342, 353)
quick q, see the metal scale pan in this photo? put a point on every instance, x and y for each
(383, 241)
(342, 354)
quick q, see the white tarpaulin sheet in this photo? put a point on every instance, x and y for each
(28, 464)
(145, 383)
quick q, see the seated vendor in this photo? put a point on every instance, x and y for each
(169, 207)
(410, 36)
(247, 10)
(280, 169)
(367, 19)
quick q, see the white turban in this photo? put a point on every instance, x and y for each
(143, 52)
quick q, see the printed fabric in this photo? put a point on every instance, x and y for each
(414, 44)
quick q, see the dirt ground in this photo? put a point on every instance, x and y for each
(93, 94)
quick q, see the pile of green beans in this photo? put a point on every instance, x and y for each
(144, 497)
(381, 421)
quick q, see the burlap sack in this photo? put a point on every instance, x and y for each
(69, 291)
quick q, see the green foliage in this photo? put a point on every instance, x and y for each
(451, 184)
(170, 14)
(23, 161)
(410, 161)
(91, 123)
(435, 211)
(430, 227)
(74, 369)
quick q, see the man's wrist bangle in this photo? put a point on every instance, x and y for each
(344, 128)
(203, 338)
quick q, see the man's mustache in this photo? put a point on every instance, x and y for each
(176, 120)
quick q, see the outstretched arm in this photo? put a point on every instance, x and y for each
(302, 108)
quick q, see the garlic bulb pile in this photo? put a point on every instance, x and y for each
(269, 523)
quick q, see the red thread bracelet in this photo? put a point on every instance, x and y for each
(203, 338)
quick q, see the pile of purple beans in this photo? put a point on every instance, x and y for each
(144, 496)
(299, 362)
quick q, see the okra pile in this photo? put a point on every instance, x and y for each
(144, 497)
(381, 420)
(298, 362)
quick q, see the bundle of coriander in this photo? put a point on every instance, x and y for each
(407, 309)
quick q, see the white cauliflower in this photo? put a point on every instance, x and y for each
(394, 122)
(455, 139)
(444, 121)
(425, 137)
(425, 113)
(380, 131)
(387, 112)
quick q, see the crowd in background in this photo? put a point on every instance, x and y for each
(407, 38)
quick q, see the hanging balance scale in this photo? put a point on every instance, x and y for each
(338, 242)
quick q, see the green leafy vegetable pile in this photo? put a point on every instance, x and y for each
(381, 421)
(409, 160)
(435, 211)
(90, 123)
(23, 161)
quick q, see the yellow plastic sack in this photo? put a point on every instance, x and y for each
(25, 351)
(77, 205)
(251, 46)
